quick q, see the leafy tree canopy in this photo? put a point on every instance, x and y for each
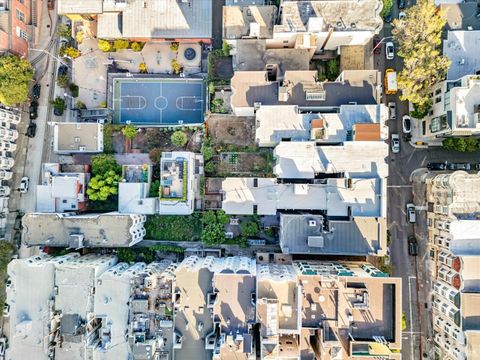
(179, 138)
(16, 74)
(104, 163)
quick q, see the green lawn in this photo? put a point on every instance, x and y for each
(174, 228)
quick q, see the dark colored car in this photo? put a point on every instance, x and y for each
(376, 45)
(33, 110)
(459, 166)
(401, 4)
(437, 166)
(62, 70)
(36, 91)
(389, 17)
(32, 129)
(412, 246)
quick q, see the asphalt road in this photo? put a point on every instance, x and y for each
(412, 270)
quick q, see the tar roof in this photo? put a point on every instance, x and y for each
(304, 234)
(106, 230)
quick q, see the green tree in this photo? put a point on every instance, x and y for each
(209, 217)
(126, 255)
(154, 188)
(176, 67)
(387, 7)
(101, 187)
(64, 31)
(249, 228)
(105, 45)
(420, 111)
(16, 75)
(213, 233)
(419, 39)
(332, 69)
(63, 81)
(179, 138)
(103, 163)
(461, 144)
(129, 131)
(222, 217)
(120, 44)
(59, 104)
(136, 46)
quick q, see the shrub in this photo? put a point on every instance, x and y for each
(80, 105)
(155, 189)
(332, 69)
(176, 67)
(63, 81)
(155, 154)
(142, 68)
(462, 144)
(121, 44)
(420, 111)
(226, 48)
(71, 52)
(105, 45)
(79, 37)
(179, 138)
(129, 131)
(174, 46)
(207, 152)
(102, 186)
(209, 167)
(249, 228)
(74, 90)
(64, 31)
(211, 88)
(136, 46)
(59, 104)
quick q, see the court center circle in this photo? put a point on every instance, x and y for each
(161, 103)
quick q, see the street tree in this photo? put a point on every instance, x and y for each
(419, 37)
(16, 75)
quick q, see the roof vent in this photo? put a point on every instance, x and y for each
(312, 223)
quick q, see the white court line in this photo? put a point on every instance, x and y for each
(188, 97)
(139, 102)
(155, 103)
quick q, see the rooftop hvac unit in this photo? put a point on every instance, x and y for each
(312, 223)
(315, 96)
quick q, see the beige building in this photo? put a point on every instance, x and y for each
(248, 22)
(71, 138)
(453, 232)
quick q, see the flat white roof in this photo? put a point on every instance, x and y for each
(463, 49)
(465, 237)
(364, 197)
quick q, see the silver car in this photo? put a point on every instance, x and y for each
(395, 143)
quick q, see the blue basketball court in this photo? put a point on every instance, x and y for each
(158, 101)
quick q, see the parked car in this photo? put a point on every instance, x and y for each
(62, 70)
(395, 143)
(401, 4)
(412, 246)
(32, 129)
(439, 166)
(24, 184)
(459, 166)
(411, 216)
(389, 50)
(36, 91)
(406, 124)
(392, 110)
(389, 17)
(377, 45)
(401, 15)
(33, 110)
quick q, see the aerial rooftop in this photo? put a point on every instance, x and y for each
(248, 21)
(77, 137)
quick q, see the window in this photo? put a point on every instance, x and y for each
(22, 34)
(438, 99)
(438, 91)
(20, 15)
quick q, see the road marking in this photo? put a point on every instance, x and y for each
(411, 312)
(399, 186)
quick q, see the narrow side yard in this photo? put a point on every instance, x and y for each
(174, 228)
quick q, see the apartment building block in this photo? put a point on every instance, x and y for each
(453, 219)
